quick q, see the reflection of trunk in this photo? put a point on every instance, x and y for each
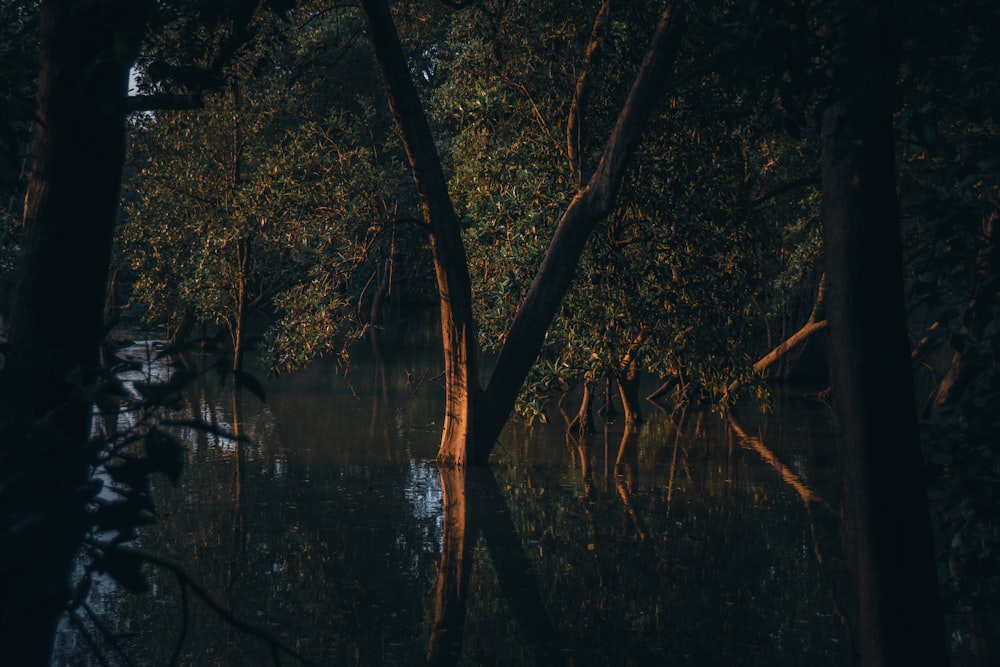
(237, 555)
(472, 503)
(466, 440)
(897, 614)
(582, 446)
(489, 514)
(627, 479)
(678, 433)
(453, 572)
(380, 397)
(809, 498)
(788, 476)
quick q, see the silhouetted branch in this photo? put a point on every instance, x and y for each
(811, 179)
(187, 580)
(164, 102)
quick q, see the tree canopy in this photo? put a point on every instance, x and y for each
(592, 192)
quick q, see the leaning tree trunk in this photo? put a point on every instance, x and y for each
(461, 366)
(474, 417)
(897, 613)
(590, 205)
(57, 323)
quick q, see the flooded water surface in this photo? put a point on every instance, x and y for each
(332, 530)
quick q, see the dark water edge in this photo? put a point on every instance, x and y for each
(699, 545)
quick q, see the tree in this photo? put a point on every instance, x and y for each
(474, 415)
(888, 543)
(57, 325)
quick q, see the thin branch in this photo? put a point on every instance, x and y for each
(187, 580)
(74, 619)
(581, 94)
(164, 102)
(538, 114)
(811, 179)
(108, 635)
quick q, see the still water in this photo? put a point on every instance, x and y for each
(333, 530)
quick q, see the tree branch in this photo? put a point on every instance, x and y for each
(581, 94)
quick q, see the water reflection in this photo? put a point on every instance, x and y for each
(688, 542)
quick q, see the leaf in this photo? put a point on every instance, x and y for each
(205, 427)
(130, 473)
(254, 385)
(125, 567)
(165, 454)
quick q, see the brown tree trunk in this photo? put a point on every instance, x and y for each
(473, 417)
(583, 422)
(461, 363)
(628, 388)
(590, 205)
(897, 616)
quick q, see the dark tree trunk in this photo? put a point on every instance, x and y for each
(588, 208)
(72, 197)
(897, 617)
(57, 324)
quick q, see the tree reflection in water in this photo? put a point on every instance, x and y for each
(674, 544)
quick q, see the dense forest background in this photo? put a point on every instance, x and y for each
(596, 196)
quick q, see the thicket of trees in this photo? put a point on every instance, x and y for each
(591, 191)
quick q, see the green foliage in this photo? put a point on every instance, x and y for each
(276, 197)
(950, 125)
(699, 261)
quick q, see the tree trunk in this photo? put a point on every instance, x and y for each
(57, 324)
(461, 363)
(473, 417)
(590, 205)
(628, 388)
(897, 616)
(583, 422)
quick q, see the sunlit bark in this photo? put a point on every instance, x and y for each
(628, 383)
(474, 417)
(587, 209)
(897, 615)
(583, 422)
(581, 95)
(462, 383)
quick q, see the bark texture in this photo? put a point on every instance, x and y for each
(475, 417)
(462, 383)
(587, 209)
(897, 617)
